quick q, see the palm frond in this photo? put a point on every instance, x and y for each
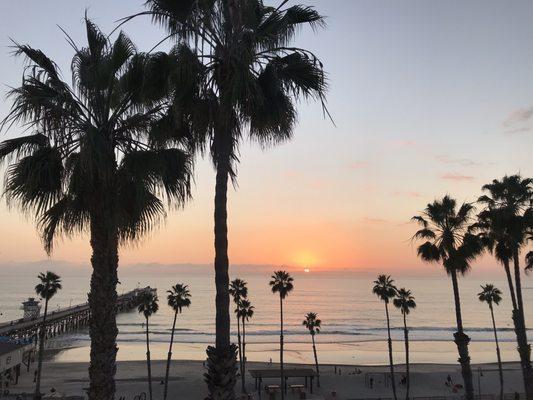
(22, 146)
(35, 181)
(428, 252)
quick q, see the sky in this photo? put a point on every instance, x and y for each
(428, 98)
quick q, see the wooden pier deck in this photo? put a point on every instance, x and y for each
(66, 320)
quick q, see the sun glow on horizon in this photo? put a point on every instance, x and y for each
(305, 259)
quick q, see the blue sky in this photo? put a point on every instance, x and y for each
(428, 98)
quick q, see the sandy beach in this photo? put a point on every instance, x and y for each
(187, 380)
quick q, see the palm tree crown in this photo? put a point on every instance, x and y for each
(148, 304)
(312, 323)
(384, 288)
(529, 259)
(404, 301)
(490, 294)
(446, 231)
(179, 297)
(50, 284)
(245, 310)
(245, 72)
(91, 135)
(238, 290)
(512, 192)
(282, 283)
(508, 215)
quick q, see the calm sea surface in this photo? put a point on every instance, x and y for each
(353, 332)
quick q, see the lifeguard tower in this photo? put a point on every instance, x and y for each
(31, 308)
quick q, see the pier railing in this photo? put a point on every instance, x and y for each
(67, 319)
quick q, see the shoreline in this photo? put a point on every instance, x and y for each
(361, 353)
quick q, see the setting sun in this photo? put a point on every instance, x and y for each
(305, 259)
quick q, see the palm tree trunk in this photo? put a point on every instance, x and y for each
(243, 355)
(282, 375)
(169, 357)
(240, 351)
(222, 360)
(391, 361)
(316, 361)
(462, 340)
(221, 258)
(103, 298)
(498, 355)
(42, 337)
(524, 349)
(406, 338)
(510, 282)
(519, 327)
(148, 363)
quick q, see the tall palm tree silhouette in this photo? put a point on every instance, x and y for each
(445, 229)
(405, 302)
(239, 291)
(178, 298)
(505, 225)
(246, 312)
(248, 76)
(90, 164)
(148, 306)
(281, 283)
(492, 295)
(49, 284)
(313, 325)
(384, 288)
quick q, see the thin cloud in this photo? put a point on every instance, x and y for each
(465, 162)
(518, 116)
(517, 131)
(375, 220)
(413, 194)
(452, 176)
(291, 174)
(403, 143)
(358, 165)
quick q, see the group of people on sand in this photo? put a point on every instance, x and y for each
(449, 383)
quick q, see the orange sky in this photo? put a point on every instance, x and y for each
(430, 99)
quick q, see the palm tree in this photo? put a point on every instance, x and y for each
(246, 312)
(282, 283)
(405, 302)
(445, 229)
(492, 295)
(178, 298)
(384, 288)
(148, 306)
(91, 166)
(239, 291)
(49, 284)
(505, 224)
(313, 325)
(248, 75)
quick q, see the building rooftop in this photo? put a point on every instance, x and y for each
(6, 348)
(7, 345)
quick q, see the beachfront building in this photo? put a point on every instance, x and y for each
(13, 354)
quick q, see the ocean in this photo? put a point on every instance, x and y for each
(353, 319)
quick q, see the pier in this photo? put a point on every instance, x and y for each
(66, 320)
